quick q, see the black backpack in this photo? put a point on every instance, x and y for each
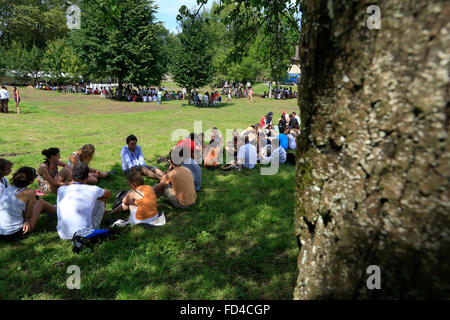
(290, 158)
(89, 237)
(119, 198)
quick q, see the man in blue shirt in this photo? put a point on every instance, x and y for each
(132, 158)
(196, 171)
(284, 140)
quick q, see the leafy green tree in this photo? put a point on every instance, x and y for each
(33, 63)
(53, 60)
(32, 22)
(22, 62)
(192, 56)
(120, 39)
(72, 66)
(257, 37)
(3, 62)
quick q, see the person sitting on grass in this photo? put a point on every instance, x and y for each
(247, 155)
(140, 201)
(273, 154)
(215, 135)
(293, 122)
(80, 206)
(211, 155)
(291, 138)
(132, 157)
(283, 139)
(231, 148)
(177, 184)
(252, 133)
(190, 144)
(195, 169)
(282, 123)
(49, 179)
(199, 147)
(18, 211)
(270, 134)
(85, 155)
(5, 169)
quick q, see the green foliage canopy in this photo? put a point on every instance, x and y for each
(193, 53)
(120, 39)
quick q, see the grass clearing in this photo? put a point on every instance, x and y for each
(236, 242)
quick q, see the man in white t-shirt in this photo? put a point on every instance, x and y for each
(79, 206)
(4, 99)
(247, 155)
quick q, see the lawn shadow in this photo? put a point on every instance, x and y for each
(236, 242)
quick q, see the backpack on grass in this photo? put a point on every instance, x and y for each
(290, 158)
(119, 198)
(89, 237)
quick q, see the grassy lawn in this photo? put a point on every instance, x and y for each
(236, 242)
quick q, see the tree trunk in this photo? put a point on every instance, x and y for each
(373, 159)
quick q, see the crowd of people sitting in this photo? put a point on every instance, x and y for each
(281, 93)
(159, 94)
(81, 204)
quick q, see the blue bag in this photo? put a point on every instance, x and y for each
(88, 237)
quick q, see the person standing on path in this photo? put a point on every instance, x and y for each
(229, 95)
(17, 99)
(250, 95)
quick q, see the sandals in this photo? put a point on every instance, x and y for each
(162, 159)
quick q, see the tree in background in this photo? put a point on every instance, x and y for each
(21, 62)
(53, 60)
(269, 28)
(192, 55)
(120, 39)
(60, 62)
(3, 64)
(31, 22)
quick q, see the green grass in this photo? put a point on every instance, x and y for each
(236, 242)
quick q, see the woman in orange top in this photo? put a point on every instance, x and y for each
(211, 155)
(140, 200)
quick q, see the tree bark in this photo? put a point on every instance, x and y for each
(373, 171)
